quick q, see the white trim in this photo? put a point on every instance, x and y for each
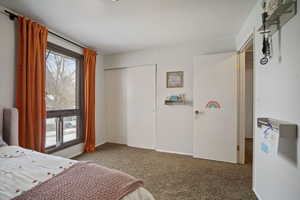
(103, 142)
(209, 159)
(158, 150)
(114, 142)
(250, 35)
(241, 106)
(236, 101)
(247, 42)
(254, 105)
(241, 92)
(156, 111)
(257, 195)
(153, 149)
(139, 147)
(124, 67)
(174, 152)
(215, 53)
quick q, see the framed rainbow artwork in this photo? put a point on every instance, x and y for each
(213, 104)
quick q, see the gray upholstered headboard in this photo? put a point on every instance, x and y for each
(9, 119)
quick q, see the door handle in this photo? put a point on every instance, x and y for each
(197, 112)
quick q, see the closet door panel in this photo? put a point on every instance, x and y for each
(130, 96)
(141, 101)
(115, 100)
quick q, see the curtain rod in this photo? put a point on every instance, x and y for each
(13, 16)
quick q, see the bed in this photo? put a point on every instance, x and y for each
(27, 174)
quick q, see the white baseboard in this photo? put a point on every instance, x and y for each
(174, 152)
(153, 148)
(115, 142)
(207, 158)
(101, 143)
(140, 147)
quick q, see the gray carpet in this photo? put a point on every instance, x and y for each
(177, 177)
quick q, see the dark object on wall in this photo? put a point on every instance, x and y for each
(276, 14)
(266, 42)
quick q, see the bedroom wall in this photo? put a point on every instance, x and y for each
(174, 123)
(276, 87)
(7, 79)
(7, 61)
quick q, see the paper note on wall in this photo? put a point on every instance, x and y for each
(269, 141)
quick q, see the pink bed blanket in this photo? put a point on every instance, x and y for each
(84, 181)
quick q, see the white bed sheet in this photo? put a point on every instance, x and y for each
(22, 169)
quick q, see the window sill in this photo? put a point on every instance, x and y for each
(51, 150)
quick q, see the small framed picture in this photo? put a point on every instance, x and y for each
(175, 79)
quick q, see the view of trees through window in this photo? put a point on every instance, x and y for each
(63, 101)
(60, 82)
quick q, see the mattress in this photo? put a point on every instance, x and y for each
(22, 170)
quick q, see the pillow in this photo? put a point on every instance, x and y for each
(2, 143)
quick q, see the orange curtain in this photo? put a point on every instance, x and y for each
(89, 99)
(30, 89)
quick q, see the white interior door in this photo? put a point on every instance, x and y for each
(141, 104)
(215, 107)
(130, 106)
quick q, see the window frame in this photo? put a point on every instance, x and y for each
(77, 112)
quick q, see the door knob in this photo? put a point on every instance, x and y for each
(197, 112)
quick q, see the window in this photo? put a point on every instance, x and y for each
(63, 98)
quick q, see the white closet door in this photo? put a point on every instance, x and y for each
(141, 104)
(115, 100)
(130, 96)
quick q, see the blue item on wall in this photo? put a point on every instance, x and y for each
(174, 98)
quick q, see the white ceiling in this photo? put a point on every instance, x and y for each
(127, 25)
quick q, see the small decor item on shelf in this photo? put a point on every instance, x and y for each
(175, 99)
(175, 79)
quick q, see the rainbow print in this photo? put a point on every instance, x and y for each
(213, 104)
